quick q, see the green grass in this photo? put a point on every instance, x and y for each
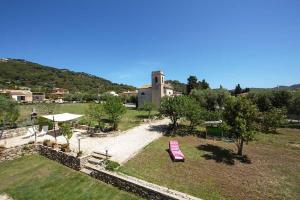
(130, 119)
(35, 177)
(212, 171)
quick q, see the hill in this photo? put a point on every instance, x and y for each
(18, 72)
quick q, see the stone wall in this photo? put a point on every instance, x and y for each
(17, 152)
(60, 157)
(139, 187)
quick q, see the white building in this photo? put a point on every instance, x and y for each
(154, 92)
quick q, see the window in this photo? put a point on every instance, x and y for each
(143, 93)
(156, 80)
(162, 79)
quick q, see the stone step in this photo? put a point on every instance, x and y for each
(86, 171)
(98, 156)
(95, 161)
(102, 154)
(91, 166)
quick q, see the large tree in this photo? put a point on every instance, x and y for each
(114, 109)
(192, 84)
(194, 113)
(241, 115)
(174, 108)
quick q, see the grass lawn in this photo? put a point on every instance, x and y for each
(131, 118)
(212, 170)
(35, 177)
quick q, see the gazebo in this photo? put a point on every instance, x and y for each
(64, 117)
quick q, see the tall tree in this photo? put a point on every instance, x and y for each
(240, 116)
(203, 84)
(238, 89)
(192, 84)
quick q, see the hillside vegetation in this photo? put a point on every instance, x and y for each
(16, 72)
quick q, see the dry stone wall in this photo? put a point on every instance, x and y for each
(17, 152)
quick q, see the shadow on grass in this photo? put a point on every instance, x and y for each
(222, 155)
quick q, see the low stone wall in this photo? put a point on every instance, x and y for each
(139, 187)
(60, 157)
(17, 152)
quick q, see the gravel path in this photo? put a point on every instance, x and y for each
(124, 146)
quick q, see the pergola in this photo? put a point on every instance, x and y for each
(64, 117)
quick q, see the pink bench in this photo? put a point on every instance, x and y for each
(175, 152)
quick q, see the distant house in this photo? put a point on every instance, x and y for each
(38, 96)
(19, 95)
(58, 93)
(113, 93)
(129, 93)
(154, 92)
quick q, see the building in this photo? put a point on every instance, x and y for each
(153, 93)
(129, 93)
(58, 93)
(38, 96)
(19, 95)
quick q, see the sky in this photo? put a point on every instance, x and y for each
(252, 42)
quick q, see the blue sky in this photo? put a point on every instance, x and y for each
(252, 42)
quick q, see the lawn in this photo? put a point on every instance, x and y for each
(35, 177)
(131, 118)
(213, 171)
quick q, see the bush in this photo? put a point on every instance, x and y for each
(45, 142)
(111, 165)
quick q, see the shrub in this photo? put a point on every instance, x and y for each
(111, 165)
(65, 148)
(45, 142)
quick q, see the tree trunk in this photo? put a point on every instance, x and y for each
(2, 131)
(240, 147)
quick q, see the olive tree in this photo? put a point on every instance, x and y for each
(194, 113)
(114, 109)
(240, 116)
(95, 112)
(148, 106)
(272, 119)
(174, 108)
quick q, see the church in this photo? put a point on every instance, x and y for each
(156, 90)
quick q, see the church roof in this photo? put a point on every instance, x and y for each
(146, 86)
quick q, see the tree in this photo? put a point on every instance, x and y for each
(192, 84)
(95, 112)
(238, 89)
(65, 129)
(148, 106)
(272, 119)
(194, 113)
(203, 84)
(281, 98)
(114, 109)
(294, 107)
(211, 99)
(174, 108)
(240, 116)
(9, 112)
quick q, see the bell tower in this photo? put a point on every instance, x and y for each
(158, 81)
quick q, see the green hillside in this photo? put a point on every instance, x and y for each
(17, 72)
